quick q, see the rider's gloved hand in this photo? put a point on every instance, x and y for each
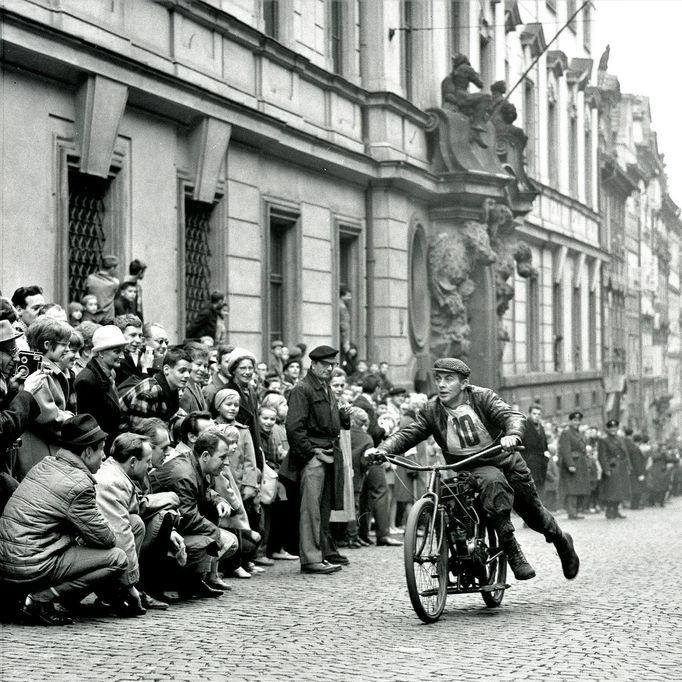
(373, 456)
(508, 443)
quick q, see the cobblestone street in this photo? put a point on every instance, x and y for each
(620, 619)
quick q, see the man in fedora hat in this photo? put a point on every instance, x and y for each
(95, 386)
(54, 543)
(313, 425)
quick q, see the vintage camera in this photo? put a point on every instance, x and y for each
(28, 363)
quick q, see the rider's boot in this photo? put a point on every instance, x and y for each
(570, 562)
(518, 563)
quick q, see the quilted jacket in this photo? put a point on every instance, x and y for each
(52, 507)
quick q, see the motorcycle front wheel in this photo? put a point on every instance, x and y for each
(426, 560)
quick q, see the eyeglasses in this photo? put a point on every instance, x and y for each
(329, 363)
(162, 341)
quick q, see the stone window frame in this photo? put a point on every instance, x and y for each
(286, 211)
(185, 190)
(351, 228)
(117, 215)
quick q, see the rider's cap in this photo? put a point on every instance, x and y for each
(576, 415)
(611, 423)
(454, 365)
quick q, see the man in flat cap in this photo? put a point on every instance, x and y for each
(313, 426)
(615, 465)
(574, 466)
(465, 419)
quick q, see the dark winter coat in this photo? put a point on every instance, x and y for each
(572, 452)
(615, 464)
(96, 394)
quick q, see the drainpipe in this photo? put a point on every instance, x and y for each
(369, 270)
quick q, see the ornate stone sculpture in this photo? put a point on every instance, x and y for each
(453, 258)
(456, 97)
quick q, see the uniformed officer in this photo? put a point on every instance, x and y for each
(615, 464)
(574, 472)
(313, 425)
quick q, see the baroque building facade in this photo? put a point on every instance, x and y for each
(642, 224)
(275, 150)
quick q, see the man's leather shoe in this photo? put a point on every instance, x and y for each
(263, 561)
(41, 613)
(199, 588)
(218, 584)
(320, 567)
(364, 541)
(337, 559)
(388, 541)
(570, 562)
(149, 602)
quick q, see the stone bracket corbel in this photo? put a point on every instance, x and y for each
(100, 104)
(596, 271)
(208, 144)
(560, 263)
(579, 269)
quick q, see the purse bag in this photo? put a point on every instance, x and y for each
(268, 484)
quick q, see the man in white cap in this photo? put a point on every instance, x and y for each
(96, 385)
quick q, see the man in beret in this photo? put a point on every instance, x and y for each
(615, 465)
(574, 466)
(465, 419)
(313, 425)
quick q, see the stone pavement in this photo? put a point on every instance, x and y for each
(619, 620)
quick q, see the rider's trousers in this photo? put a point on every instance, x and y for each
(526, 501)
(496, 497)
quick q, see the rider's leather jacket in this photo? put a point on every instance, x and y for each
(498, 418)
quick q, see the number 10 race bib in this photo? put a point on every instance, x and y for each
(466, 433)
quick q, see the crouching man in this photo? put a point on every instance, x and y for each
(190, 475)
(55, 546)
(118, 500)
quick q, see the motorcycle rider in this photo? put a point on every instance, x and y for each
(465, 419)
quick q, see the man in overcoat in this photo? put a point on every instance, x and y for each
(95, 386)
(536, 451)
(615, 465)
(637, 467)
(313, 425)
(574, 472)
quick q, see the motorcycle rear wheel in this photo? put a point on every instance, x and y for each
(496, 571)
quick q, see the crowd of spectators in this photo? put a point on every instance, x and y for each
(584, 469)
(143, 472)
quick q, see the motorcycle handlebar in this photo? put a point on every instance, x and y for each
(492, 450)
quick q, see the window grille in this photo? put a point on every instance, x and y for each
(86, 229)
(197, 256)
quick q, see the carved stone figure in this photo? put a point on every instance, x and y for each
(502, 111)
(453, 256)
(456, 96)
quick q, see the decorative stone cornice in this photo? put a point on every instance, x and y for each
(579, 72)
(533, 36)
(557, 62)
